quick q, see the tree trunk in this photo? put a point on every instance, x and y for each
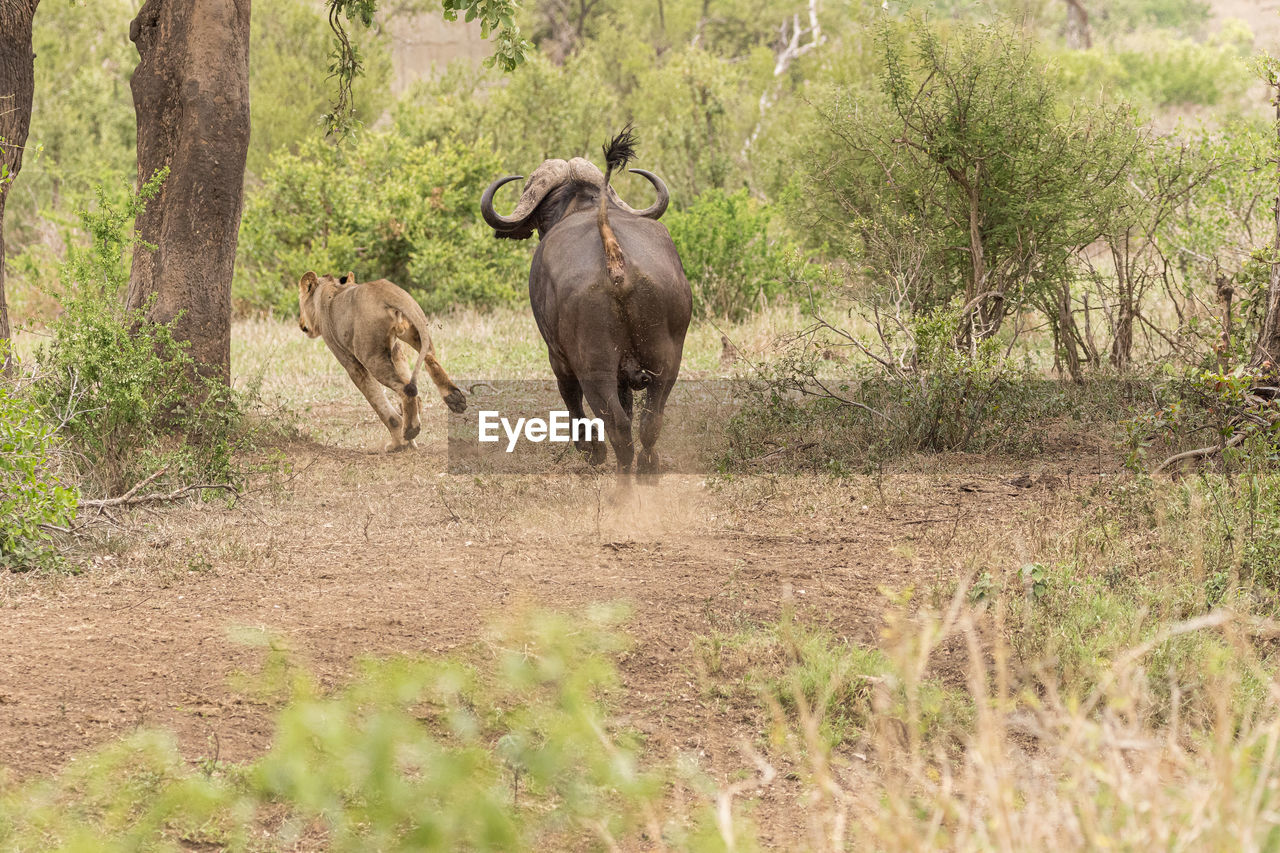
(17, 86)
(977, 252)
(1266, 353)
(1226, 292)
(986, 305)
(1067, 334)
(1126, 311)
(1078, 33)
(191, 97)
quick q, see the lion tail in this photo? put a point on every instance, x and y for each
(616, 156)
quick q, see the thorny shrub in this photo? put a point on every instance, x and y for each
(838, 400)
(733, 262)
(130, 398)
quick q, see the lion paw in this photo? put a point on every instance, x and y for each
(455, 401)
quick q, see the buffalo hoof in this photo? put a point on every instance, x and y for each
(647, 464)
(455, 401)
(595, 450)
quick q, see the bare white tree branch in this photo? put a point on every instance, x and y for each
(792, 46)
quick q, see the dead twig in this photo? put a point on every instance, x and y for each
(440, 494)
(132, 498)
(175, 495)
(129, 494)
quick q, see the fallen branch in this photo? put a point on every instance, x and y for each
(176, 495)
(1202, 452)
(125, 497)
(132, 498)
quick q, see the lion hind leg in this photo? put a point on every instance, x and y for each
(409, 402)
(393, 369)
(373, 392)
(404, 330)
(450, 393)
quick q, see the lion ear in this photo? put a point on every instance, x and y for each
(309, 281)
(347, 278)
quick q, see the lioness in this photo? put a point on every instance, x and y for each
(363, 325)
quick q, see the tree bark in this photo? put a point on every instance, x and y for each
(17, 86)
(1079, 35)
(1067, 334)
(191, 98)
(1226, 292)
(1126, 311)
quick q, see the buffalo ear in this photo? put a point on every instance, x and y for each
(309, 281)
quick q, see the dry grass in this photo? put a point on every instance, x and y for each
(1040, 770)
(499, 344)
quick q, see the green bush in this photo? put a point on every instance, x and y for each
(1218, 410)
(31, 491)
(834, 678)
(732, 262)
(816, 414)
(919, 190)
(1163, 72)
(128, 392)
(413, 755)
(385, 208)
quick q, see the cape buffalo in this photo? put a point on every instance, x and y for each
(608, 292)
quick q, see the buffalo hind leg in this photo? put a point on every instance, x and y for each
(627, 399)
(571, 393)
(651, 414)
(604, 400)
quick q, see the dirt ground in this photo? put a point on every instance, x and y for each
(351, 552)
